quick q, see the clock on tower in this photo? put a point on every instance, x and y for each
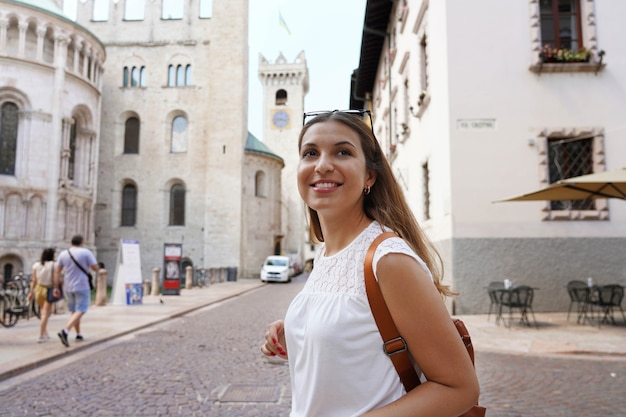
(280, 118)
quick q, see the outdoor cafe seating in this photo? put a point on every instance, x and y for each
(596, 302)
(504, 295)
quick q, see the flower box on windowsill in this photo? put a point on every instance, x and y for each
(547, 67)
(564, 60)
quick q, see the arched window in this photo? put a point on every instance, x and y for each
(188, 75)
(177, 205)
(48, 47)
(259, 184)
(171, 76)
(131, 135)
(8, 138)
(281, 97)
(135, 77)
(180, 76)
(179, 135)
(142, 77)
(8, 272)
(129, 205)
(71, 165)
(30, 51)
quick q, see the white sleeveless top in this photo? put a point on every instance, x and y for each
(336, 361)
(45, 273)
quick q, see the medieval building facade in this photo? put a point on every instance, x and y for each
(131, 123)
(50, 101)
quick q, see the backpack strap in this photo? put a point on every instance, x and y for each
(394, 345)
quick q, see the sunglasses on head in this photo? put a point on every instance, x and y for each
(361, 113)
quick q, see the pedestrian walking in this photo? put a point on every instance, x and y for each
(336, 359)
(43, 273)
(75, 263)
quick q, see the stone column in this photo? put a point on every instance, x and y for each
(4, 24)
(78, 45)
(188, 277)
(21, 49)
(155, 281)
(101, 288)
(41, 33)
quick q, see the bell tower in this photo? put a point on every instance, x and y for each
(284, 87)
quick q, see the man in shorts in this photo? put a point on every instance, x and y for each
(75, 262)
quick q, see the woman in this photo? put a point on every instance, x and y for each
(336, 361)
(43, 271)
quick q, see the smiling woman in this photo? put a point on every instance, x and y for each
(332, 172)
(337, 363)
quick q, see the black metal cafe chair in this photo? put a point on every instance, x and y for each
(579, 292)
(607, 298)
(492, 290)
(520, 298)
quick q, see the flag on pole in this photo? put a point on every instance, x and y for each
(283, 24)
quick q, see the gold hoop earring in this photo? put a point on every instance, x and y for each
(367, 190)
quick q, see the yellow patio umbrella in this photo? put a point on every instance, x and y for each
(608, 184)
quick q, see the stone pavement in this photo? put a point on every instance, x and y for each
(20, 352)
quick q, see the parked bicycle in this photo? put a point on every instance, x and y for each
(201, 277)
(14, 302)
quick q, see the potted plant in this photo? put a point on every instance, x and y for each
(420, 99)
(550, 54)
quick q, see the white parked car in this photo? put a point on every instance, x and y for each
(276, 268)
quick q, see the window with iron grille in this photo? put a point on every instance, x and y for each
(570, 157)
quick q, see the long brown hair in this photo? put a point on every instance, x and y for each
(385, 202)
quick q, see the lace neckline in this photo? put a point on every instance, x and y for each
(349, 245)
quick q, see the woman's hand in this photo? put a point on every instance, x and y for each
(275, 340)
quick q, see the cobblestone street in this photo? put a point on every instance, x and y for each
(208, 364)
